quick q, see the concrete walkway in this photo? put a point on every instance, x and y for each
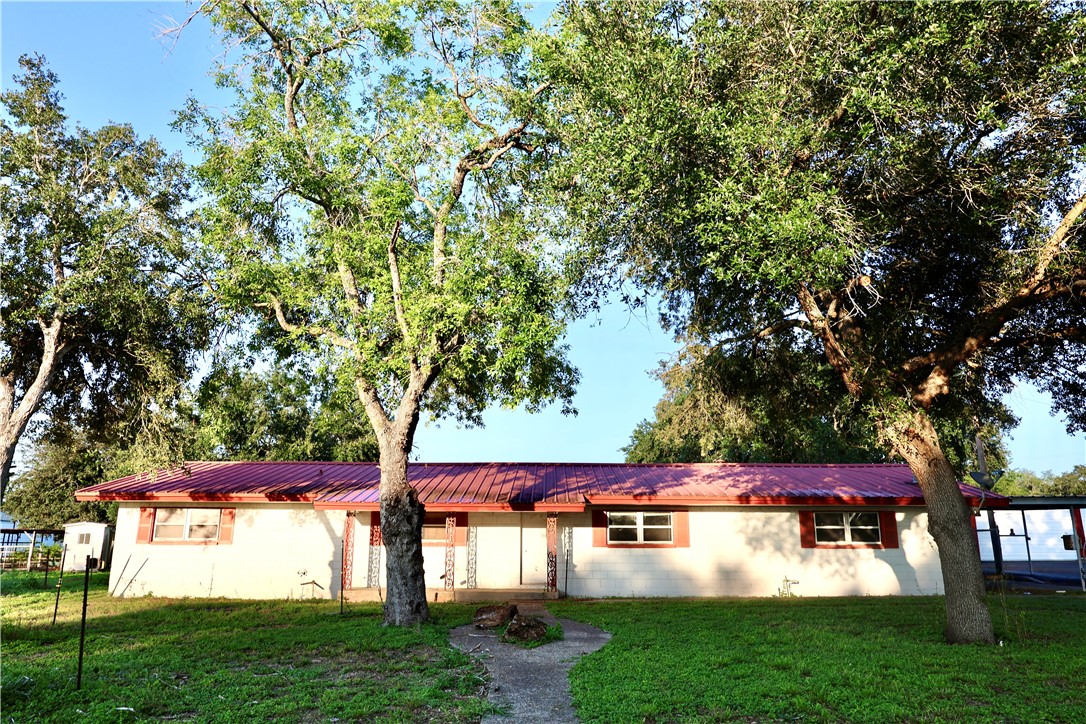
(531, 684)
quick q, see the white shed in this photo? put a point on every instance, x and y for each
(87, 539)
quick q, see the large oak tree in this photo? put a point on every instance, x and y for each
(898, 186)
(368, 209)
(97, 313)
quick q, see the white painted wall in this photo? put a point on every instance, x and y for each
(748, 552)
(733, 552)
(275, 551)
(738, 551)
(75, 555)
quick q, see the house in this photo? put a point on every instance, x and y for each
(499, 530)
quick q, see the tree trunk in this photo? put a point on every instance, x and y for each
(7, 450)
(967, 617)
(14, 416)
(401, 530)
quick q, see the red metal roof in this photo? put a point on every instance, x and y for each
(528, 486)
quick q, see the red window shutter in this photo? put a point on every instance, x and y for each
(146, 525)
(680, 520)
(375, 528)
(599, 529)
(888, 528)
(226, 525)
(461, 529)
(806, 529)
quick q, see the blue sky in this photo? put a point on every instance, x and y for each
(112, 68)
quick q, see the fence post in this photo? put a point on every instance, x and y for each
(83, 625)
(60, 580)
(30, 551)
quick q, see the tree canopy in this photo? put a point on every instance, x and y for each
(1025, 482)
(43, 495)
(759, 408)
(896, 186)
(776, 405)
(369, 210)
(282, 413)
(97, 313)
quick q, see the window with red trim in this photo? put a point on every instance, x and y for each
(186, 525)
(848, 529)
(640, 529)
(433, 529)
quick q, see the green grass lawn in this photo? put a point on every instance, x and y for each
(843, 659)
(836, 659)
(226, 660)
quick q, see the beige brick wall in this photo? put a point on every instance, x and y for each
(275, 551)
(740, 551)
(748, 552)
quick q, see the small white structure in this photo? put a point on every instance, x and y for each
(87, 539)
(505, 530)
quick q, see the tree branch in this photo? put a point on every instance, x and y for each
(992, 318)
(314, 330)
(834, 353)
(491, 150)
(397, 294)
(765, 332)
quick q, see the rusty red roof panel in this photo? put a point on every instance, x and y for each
(526, 485)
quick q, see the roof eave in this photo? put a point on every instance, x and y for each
(195, 497)
(462, 507)
(766, 500)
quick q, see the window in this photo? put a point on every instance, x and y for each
(639, 527)
(848, 529)
(83, 539)
(197, 524)
(186, 525)
(433, 528)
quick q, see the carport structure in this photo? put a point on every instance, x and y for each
(1049, 572)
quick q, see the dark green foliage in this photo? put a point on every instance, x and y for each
(760, 408)
(779, 405)
(283, 413)
(43, 496)
(828, 659)
(903, 163)
(892, 190)
(101, 310)
(1023, 482)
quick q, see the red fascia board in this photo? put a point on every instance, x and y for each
(336, 505)
(195, 497)
(463, 507)
(768, 500)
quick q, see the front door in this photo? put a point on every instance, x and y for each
(533, 549)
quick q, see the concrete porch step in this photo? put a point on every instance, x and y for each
(461, 595)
